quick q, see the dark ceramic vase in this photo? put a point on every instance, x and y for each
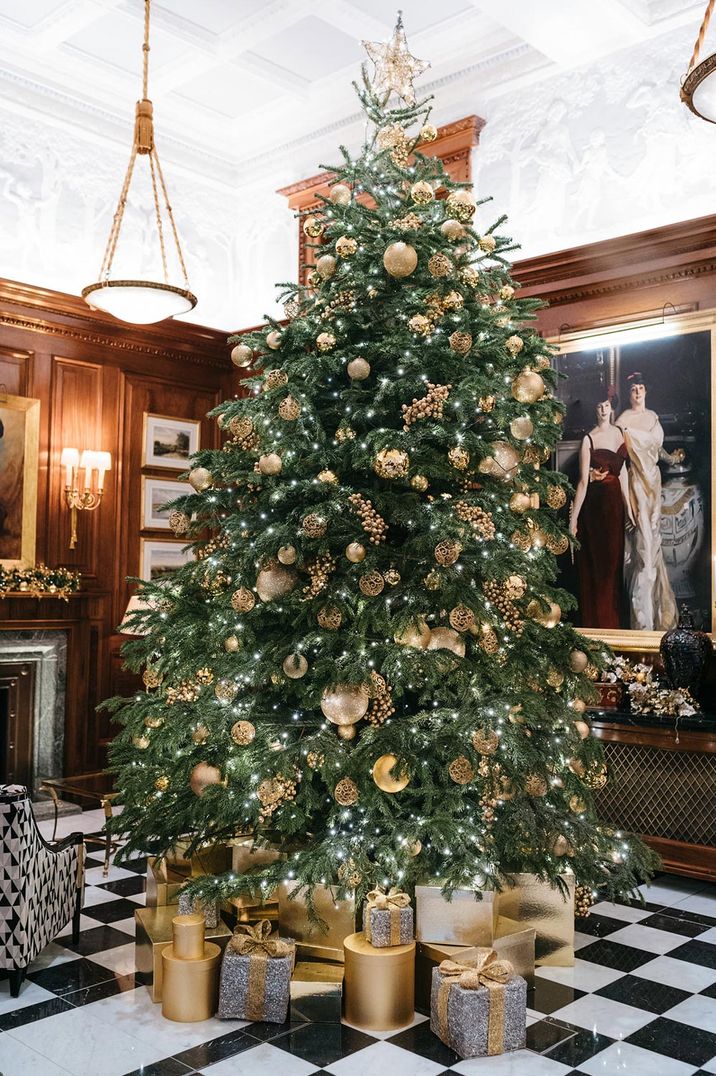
(685, 652)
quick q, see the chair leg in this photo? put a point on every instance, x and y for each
(76, 917)
(16, 977)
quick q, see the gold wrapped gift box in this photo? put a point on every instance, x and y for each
(153, 935)
(311, 941)
(245, 859)
(463, 920)
(518, 947)
(166, 876)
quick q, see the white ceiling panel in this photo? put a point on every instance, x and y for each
(28, 13)
(116, 39)
(216, 16)
(418, 15)
(311, 48)
(229, 90)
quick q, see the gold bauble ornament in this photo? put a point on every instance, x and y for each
(344, 704)
(391, 463)
(270, 463)
(346, 792)
(535, 785)
(460, 342)
(232, 643)
(422, 193)
(313, 227)
(274, 340)
(459, 457)
(548, 619)
(419, 482)
(314, 526)
(515, 587)
(200, 734)
(486, 403)
(326, 266)
(522, 428)
(400, 259)
(242, 600)
(506, 292)
(242, 355)
(346, 732)
(355, 552)
(428, 133)
(452, 229)
(358, 369)
(461, 205)
(447, 639)
(453, 301)
(287, 554)
(487, 243)
(242, 733)
(558, 545)
(328, 477)
(289, 409)
(461, 771)
(392, 577)
(556, 497)
(577, 767)
(330, 617)
(514, 345)
(419, 323)
(447, 552)
(578, 705)
(385, 776)
(275, 582)
(295, 666)
(153, 722)
(179, 522)
(439, 265)
(340, 194)
(202, 777)
(433, 580)
(325, 341)
(485, 741)
(461, 618)
(226, 690)
(140, 742)
(200, 478)
(503, 462)
(577, 804)
(520, 502)
(162, 783)
(578, 661)
(371, 584)
(582, 727)
(528, 387)
(416, 635)
(346, 246)
(555, 679)
(151, 677)
(561, 846)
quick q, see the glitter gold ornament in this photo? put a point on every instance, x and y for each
(555, 678)
(485, 741)
(330, 617)
(394, 138)
(325, 341)
(519, 502)
(578, 661)
(242, 733)
(204, 676)
(289, 409)
(419, 482)
(200, 735)
(582, 727)
(346, 246)
(242, 355)
(200, 478)
(577, 767)
(344, 704)
(452, 301)
(314, 760)
(313, 227)
(327, 476)
(502, 463)
(355, 552)
(428, 133)
(439, 265)
(416, 635)
(274, 340)
(346, 732)
(535, 785)
(358, 369)
(326, 266)
(295, 666)
(459, 457)
(340, 194)
(202, 777)
(447, 639)
(346, 792)
(548, 619)
(287, 554)
(420, 324)
(514, 344)
(460, 342)
(400, 259)
(226, 690)
(461, 618)
(392, 577)
(270, 463)
(161, 783)
(153, 722)
(447, 552)
(487, 639)
(558, 544)
(487, 243)
(232, 643)
(386, 777)
(522, 427)
(461, 771)
(556, 497)
(140, 742)
(577, 804)
(433, 580)
(506, 292)
(274, 582)
(528, 387)
(371, 584)
(391, 463)
(151, 677)
(242, 600)
(422, 193)
(274, 379)
(452, 229)
(179, 522)
(461, 205)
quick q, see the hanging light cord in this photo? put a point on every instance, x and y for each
(143, 144)
(702, 34)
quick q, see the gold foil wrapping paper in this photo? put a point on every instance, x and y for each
(463, 920)
(378, 988)
(190, 971)
(311, 941)
(533, 903)
(517, 947)
(166, 876)
(153, 935)
(245, 858)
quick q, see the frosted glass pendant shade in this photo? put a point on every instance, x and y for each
(699, 90)
(139, 302)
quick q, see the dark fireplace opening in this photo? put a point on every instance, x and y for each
(4, 728)
(17, 703)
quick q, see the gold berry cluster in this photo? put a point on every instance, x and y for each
(381, 707)
(273, 792)
(344, 300)
(409, 223)
(345, 433)
(319, 572)
(372, 523)
(497, 594)
(430, 406)
(243, 433)
(583, 901)
(480, 520)
(186, 691)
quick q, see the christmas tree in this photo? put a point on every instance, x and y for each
(365, 665)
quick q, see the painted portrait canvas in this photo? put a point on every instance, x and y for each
(19, 432)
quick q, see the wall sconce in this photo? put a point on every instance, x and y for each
(90, 496)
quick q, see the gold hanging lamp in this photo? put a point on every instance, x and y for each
(142, 302)
(698, 89)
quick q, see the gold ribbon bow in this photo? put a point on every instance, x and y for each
(488, 970)
(256, 944)
(392, 902)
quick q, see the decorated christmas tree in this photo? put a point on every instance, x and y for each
(366, 665)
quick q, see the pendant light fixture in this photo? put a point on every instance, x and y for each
(698, 89)
(143, 302)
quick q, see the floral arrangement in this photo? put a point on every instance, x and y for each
(59, 582)
(647, 695)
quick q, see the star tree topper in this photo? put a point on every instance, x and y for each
(395, 68)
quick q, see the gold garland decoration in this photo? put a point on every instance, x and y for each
(59, 582)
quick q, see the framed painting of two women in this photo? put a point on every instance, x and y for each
(637, 448)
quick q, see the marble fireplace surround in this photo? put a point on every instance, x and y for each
(47, 651)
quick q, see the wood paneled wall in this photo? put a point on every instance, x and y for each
(95, 379)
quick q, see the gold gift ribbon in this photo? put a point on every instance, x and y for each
(392, 901)
(488, 971)
(257, 944)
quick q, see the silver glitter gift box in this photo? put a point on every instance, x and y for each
(479, 1022)
(388, 918)
(256, 976)
(195, 905)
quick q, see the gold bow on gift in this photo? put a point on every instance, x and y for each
(488, 970)
(257, 941)
(392, 902)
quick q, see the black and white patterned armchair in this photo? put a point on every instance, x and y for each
(41, 885)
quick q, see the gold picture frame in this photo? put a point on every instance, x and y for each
(162, 556)
(159, 451)
(19, 448)
(615, 346)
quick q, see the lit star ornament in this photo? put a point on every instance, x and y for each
(395, 68)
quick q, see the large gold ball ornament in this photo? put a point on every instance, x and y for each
(287, 554)
(452, 229)
(502, 463)
(326, 266)
(578, 705)
(520, 502)
(485, 741)
(270, 463)
(561, 846)
(340, 194)
(346, 246)
(419, 482)
(582, 727)
(232, 643)
(289, 409)
(242, 355)
(242, 733)
(578, 661)
(200, 478)
(447, 552)
(420, 324)
(242, 600)
(461, 618)
(459, 457)
(371, 584)
(422, 193)
(226, 691)
(275, 582)
(522, 428)
(460, 342)
(391, 463)
(295, 666)
(313, 227)
(548, 619)
(400, 259)
(528, 387)
(428, 133)
(556, 497)
(325, 341)
(346, 732)
(447, 639)
(416, 635)
(358, 369)
(329, 617)
(202, 777)
(355, 552)
(346, 792)
(461, 771)
(385, 776)
(344, 704)
(314, 526)
(461, 205)
(162, 783)
(274, 340)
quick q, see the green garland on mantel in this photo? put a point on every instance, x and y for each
(39, 581)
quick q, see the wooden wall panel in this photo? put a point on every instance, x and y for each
(15, 372)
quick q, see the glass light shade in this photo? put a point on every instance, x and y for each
(104, 461)
(699, 90)
(88, 460)
(70, 457)
(139, 302)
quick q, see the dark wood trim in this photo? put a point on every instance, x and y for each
(666, 739)
(691, 860)
(18, 678)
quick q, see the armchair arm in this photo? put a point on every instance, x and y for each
(66, 842)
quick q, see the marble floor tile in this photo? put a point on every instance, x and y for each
(383, 1058)
(121, 960)
(621, 911)
(518, 1063)
(647, 938)
(698, 1011)
(30, 994)
(605, 1016)
(583, 975)
(678, 973)
(18, 1059)
(263, 1060)
(622, 1057)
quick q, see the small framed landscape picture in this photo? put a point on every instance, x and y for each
(157, 492)
(169, 442)
(158, 558)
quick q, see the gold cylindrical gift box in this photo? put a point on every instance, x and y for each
(379, 984)
(190, 990)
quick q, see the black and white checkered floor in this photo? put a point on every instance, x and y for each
(641, 999)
